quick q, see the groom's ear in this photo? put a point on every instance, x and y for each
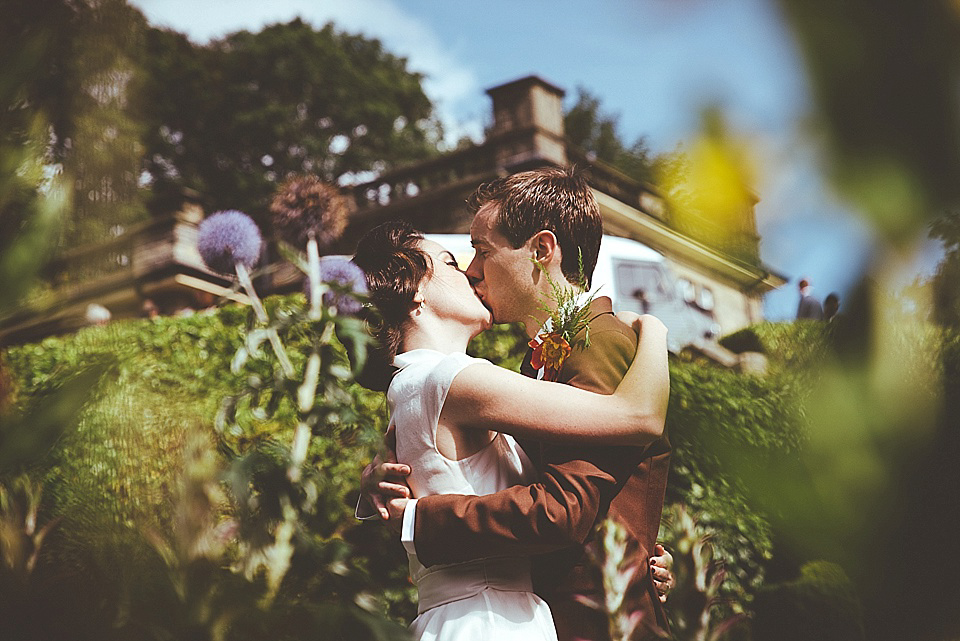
(545, 247)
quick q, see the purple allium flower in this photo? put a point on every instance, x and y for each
(306, 205)
(227, 238)
(344, 279)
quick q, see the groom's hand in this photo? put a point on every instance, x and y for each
(381, 481)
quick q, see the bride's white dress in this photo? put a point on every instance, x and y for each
(485, 599)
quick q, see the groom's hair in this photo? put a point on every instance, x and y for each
(558, 200)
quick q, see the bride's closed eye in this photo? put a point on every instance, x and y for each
(450, 260)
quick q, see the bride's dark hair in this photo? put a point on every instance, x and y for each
(391, 258)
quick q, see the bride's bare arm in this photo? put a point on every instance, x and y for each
(492, 398)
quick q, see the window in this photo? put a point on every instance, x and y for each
(641, 281)
(687, 290)
(705, 300)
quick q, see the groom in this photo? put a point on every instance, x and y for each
(578, 487)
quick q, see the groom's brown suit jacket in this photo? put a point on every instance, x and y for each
(554, 518)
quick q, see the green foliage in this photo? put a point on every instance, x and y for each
(115, 477)
(717, 418)
(950, 359)
(821, 604)
(895, 154)
(30, 206)
(90, 93)
(886, 437)
(874, 468)
(795, 345)
(946, 280)
(504, 345)
(104, 151)
(698, 607)
(301, 100)
(114, 472)
(29, 431)
(69, 65)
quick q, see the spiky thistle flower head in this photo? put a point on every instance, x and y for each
(228, 238)
(306, 205)
(345, 281)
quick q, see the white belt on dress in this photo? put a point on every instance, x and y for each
(450, 583)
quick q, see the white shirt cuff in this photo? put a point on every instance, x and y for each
(409, 519)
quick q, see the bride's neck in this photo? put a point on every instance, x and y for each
(431, 333)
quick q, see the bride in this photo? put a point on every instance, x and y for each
(455, 418)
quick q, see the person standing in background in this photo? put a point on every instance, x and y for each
(831, 305)
(809, 307)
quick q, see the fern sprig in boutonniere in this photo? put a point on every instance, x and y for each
(568, 327)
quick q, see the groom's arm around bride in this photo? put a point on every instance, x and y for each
(578, 487)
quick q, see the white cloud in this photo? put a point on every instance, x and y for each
(451, 85)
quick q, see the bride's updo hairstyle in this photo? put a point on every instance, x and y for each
(391, 258)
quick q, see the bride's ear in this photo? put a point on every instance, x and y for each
(418, 302)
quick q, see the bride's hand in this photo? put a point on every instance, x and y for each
(638, 321)
(660, 564)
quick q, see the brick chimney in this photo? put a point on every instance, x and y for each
(528, 120)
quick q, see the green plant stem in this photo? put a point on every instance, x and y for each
(316, 293)
(298, 451)
(244, 275)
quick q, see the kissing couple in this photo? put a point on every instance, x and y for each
(499, 479)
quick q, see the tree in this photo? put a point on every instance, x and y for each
(597, 133)
(102, 152)
(234, 118)
(67, 68)
(109, 106)
(68, 151)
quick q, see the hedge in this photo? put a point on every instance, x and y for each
(111, 479)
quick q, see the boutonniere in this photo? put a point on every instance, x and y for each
(566, 329)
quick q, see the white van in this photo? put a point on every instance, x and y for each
(637, 279)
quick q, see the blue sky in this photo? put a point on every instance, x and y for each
(655, 64)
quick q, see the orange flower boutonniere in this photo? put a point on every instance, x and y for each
(567, 328)
(549, 353)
